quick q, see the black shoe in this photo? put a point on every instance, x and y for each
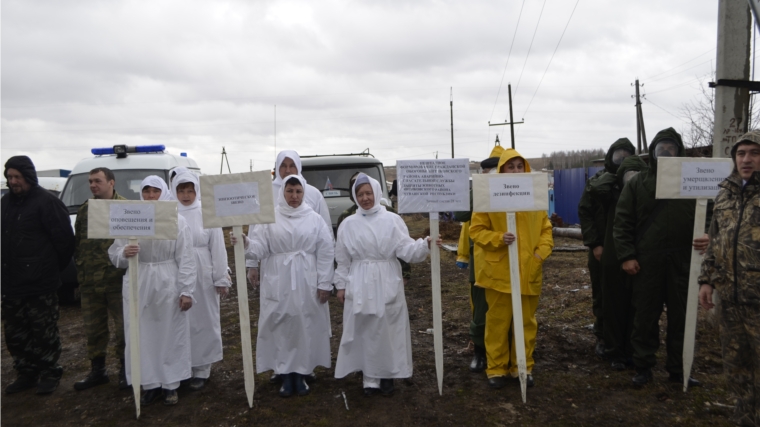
(618, 366)
(286, 389)
(497, 382)
(529, 381)
(600, 350)
(478, 363)
(387, 387)
(151, 396)
(123, 385)
(197, 384)
(370, 391)
(311, 378)
(275, 379)
(300, 384)
(170, 397)
(97, 376)
(47, 385)
(643, 376)
(23, 382)
(678, 378)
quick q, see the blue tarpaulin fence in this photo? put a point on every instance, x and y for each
(568, 188)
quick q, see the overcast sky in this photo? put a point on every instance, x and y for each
(344, 75)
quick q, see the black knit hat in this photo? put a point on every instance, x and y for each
(490, 163)
(24, 165)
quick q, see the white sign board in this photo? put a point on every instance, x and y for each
(510, 192)
(237, 199)
(433, 185)
(691, 177)
(125, 219)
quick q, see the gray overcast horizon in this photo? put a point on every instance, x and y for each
(344, 75)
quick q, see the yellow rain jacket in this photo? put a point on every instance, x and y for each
(534, 236)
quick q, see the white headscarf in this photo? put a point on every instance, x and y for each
(376, 189)
(281, 156)
(282, 205)
(181, 178)
(156, 182)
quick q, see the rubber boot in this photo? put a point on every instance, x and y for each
(97, 375)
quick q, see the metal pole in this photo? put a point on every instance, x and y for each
(638, 119)
(511, 122)
(451, 108)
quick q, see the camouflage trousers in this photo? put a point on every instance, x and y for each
(740, 339)
(96, 308)
(30, 326)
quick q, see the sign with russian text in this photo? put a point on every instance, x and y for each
(691, 177)
(130, 219)
(510, 192)
(237, 199)
(436, 185)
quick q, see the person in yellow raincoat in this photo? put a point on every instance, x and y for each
(534, 241)
(478, 304)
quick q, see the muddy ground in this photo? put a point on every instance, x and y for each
(573, 387)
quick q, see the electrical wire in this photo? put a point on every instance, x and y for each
(677, 66)
(514, 36)
(530, 47)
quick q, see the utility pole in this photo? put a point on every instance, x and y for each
(511, 121)
(251, 165)
(451, 108)
(641, 135)
(224, 157)
(732, 83)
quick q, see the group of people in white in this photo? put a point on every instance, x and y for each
(181, 282)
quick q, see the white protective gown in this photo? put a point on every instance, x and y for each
(211, 262)
(166, 272)
(296, 254)
(312, 196)
(376, 338)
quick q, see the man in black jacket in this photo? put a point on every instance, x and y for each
(37, 243)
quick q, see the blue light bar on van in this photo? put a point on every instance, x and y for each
(136, 149)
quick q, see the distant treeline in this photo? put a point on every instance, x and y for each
(572, 159)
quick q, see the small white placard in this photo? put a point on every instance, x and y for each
(691, 177)
(510, 192)
(331, 193)
(124, 219)
(435, 185)
(239, 198)
(134, 220)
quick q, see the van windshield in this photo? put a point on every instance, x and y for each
(333, 181)
(128, 181)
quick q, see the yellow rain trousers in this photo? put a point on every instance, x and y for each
(534, 237)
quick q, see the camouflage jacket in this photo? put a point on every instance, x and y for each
(732, 262)
(95, 273)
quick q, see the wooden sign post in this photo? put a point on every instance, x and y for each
(434, 186)
(691, 178)
(234, 200)
(133, 220)
(510, 193)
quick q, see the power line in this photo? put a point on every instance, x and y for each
(679, 118)
(552, 58)
(670, 69)
(682, 71)
(508, 56)
(530, 47)
(682, 84)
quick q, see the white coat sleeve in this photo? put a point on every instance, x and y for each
(116, 253)
(184, 256)
(325, 258)
(343, 257)
(218, 258)
(258, 245)
(408, 249)
(251, 263)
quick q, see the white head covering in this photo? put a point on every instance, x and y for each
(278, 181)
(181, 178)
(282, 205)
(365, 179)
(156, 182)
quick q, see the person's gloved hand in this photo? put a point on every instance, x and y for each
(462, 265)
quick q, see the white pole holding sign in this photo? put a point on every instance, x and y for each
(691, 178)
(126, 219)
(434, 186)
(234, 200)
(510, 193)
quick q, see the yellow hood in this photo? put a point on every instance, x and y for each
(496, 152)
(509, 154)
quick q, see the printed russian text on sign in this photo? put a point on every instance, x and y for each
(237, 199)
(136, 220)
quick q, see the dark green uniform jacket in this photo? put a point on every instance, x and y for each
(95, 272)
